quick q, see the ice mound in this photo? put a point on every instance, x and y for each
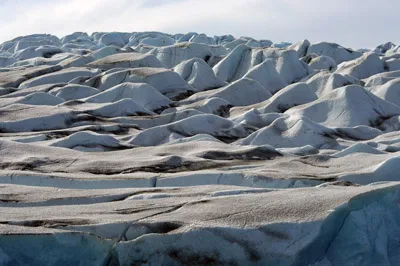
(385, 171)
(381, 78)
(322, 62)
(126, 60)
(348, 106)
(153, 76)
(241, 92)
(325, 82)
(22, 118)
(199, 124)
(14, 77)
(390, 91)
(172, 55)
(301, 47)
(293, 131)
(73, 92)
(237, 63)
(142, 93)
(87, 139)
(334, 51)
(383, 48)
(363, 67)
(77, 61)
(213, 105)
(357, 148)
(290, 96)
(198, 74)
(59, 77)
(359, 132)
(104, 52)
(158, 41)
(123, 107)
(266, 74)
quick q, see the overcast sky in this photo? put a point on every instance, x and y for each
(352, 23)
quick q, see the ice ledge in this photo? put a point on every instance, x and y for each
(363, 229)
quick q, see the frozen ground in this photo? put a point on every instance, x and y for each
(157, 149)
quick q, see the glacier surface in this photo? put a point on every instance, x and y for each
(148, 148)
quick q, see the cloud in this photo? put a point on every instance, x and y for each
(356, 23)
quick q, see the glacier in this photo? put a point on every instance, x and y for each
(149, 148)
